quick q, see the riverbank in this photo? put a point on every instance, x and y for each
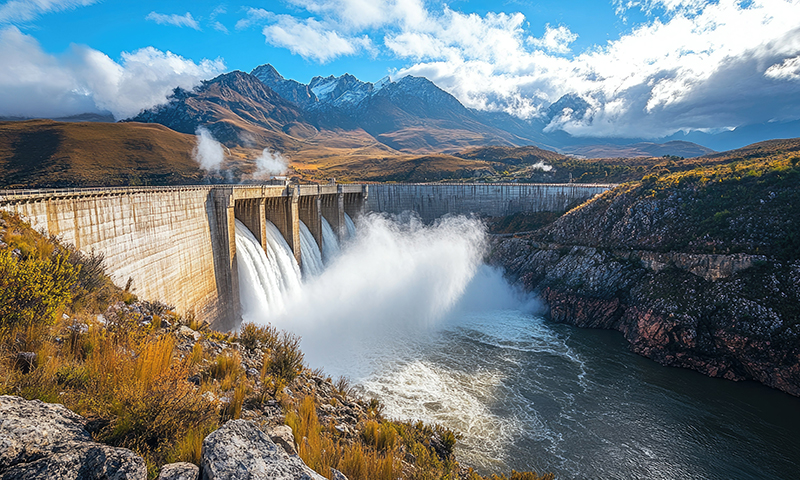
(697, 269)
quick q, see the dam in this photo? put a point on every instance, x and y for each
(177, 244)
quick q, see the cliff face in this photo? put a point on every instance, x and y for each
(636, 261)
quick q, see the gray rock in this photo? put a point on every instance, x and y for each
(82, 461)
(283, 437)
(31, 429)
(179, 471)
(188, 332)
(48, 441)
(240, 450)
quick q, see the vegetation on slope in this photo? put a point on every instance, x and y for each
(744, 201)
(155, 382)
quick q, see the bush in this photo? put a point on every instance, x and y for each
(253, 336)
(287, 359)
(33, 289)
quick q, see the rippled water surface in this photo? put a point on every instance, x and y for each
(529, 394)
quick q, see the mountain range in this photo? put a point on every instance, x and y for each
(408, 116)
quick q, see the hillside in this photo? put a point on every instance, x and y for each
(698, 268)
(44, 153)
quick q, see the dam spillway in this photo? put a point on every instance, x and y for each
(177, 244)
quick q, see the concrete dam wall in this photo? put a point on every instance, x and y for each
(432, 201)
(177, 244)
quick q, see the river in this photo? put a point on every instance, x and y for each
(413, 317)
(529, 394)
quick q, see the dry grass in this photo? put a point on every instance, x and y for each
(322, 449)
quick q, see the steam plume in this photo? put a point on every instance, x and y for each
(208, 152)
(269, 163)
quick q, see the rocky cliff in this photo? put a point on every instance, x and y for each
(697, 270)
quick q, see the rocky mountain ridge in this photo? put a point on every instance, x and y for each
(409, 115)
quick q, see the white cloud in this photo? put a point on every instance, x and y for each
(361, 14)
(255, 16)
(208, 152)
(36, 84)
(555, 40)
(185, 20)
(312, 39)
(218, 26)
(706, 65)
(19, 11)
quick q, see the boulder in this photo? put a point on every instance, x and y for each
(179, 471)
(48, 441)
(240, 450)
(82, 461)
(31, 429)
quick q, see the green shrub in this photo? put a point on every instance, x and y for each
(33, 289)
(253, 336)
(287, 359)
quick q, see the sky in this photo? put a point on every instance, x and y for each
(647, 68)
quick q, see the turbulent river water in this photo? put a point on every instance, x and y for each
(411, 315)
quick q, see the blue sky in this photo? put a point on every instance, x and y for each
(116, 27)
(647, 68)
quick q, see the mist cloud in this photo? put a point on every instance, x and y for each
(209, 153)
(269, 164)
(84, 80)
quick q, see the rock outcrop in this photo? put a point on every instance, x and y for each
(49, 442)
(241, 450)
(644, 264)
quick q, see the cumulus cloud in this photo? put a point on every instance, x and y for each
(703, 65)
(692, 64)
(185, 20)
(208, 152)
(19, 11)
(269, 164)
(36, 84)
(312, 39)
(555, 40)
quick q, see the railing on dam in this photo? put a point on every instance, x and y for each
(272, 190)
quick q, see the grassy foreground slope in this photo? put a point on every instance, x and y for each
(157, 383)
